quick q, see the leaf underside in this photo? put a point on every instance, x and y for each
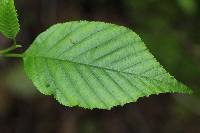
(9, 25)
(95, 65)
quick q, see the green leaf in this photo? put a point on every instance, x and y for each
(95, 65)
(9, 25)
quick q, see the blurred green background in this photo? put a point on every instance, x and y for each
(171, 30)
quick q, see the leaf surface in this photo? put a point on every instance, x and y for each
(95, 65)
(9, 25)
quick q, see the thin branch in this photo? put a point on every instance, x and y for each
(7, 50)
(13, 55)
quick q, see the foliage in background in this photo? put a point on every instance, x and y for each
(188, 6)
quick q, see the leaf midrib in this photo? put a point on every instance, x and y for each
(104, 68)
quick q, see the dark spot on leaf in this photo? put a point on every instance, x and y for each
(72, 41)
(47, 85)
